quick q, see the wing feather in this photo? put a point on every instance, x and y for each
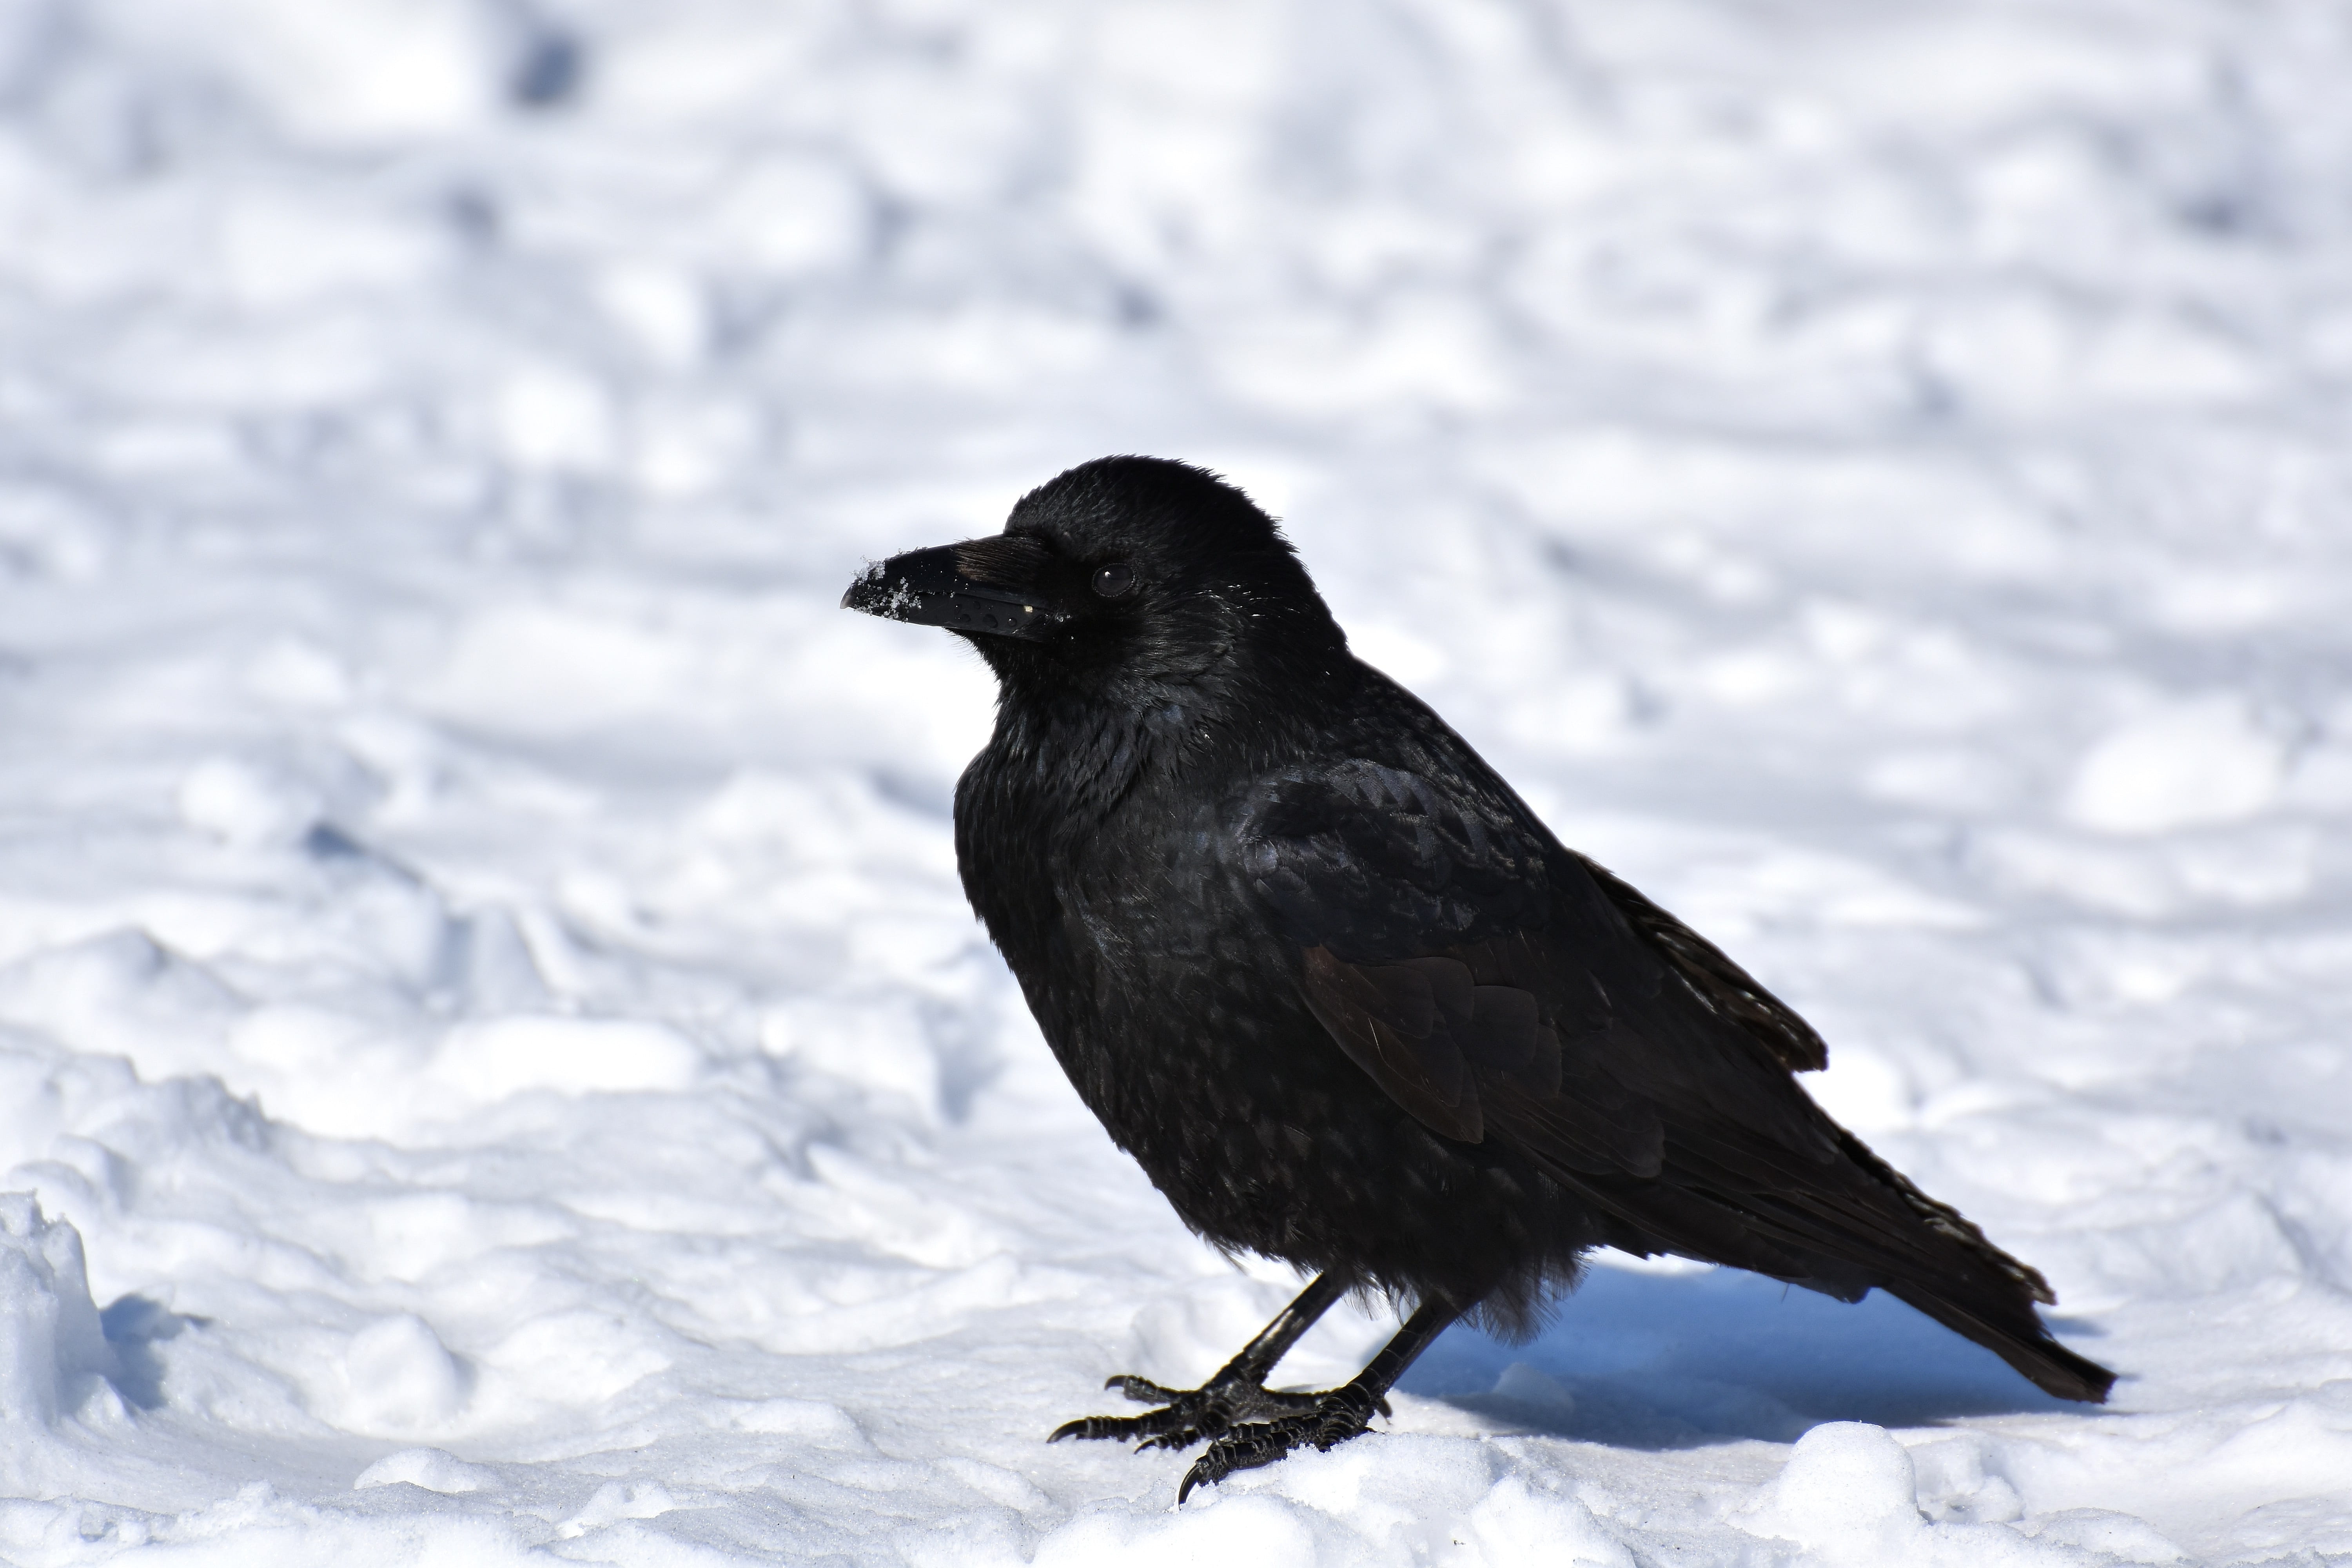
(1386, 1018)
(1721, 985)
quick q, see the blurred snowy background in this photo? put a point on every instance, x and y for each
(501, 1065)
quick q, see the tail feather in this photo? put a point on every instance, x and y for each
(1998, 1313)
(2018, 1337)
(1947, 1221)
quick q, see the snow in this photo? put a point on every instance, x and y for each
(494, 1060)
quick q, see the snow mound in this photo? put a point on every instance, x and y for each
(2197, 762)
(1848, 1499)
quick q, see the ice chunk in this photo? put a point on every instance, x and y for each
(49, 1332)
(430, 1469)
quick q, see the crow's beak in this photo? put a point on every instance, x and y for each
(938, 588)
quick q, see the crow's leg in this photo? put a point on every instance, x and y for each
(1333, 1418)
(1237, 1393)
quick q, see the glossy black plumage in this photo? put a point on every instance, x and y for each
(1334, 985)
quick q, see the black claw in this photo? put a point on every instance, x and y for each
(1151, 1423)
(1244, 1424)
(1186, 1415)
(1180, 1438)
(1244, 1449)
(1326, 1422)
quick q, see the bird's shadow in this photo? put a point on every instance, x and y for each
(1670, 1361)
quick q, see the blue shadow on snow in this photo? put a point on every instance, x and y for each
(1670, 1361)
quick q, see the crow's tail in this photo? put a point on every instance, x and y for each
(2016, 1336)
(1996, 1311)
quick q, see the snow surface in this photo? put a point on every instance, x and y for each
(499, 1062)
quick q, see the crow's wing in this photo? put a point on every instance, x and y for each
(1468, 962)
(1412, 901)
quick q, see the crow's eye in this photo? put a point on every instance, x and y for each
(1116, 580)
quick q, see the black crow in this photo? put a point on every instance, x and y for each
(1342, 995)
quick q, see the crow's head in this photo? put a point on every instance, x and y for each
(1122, 578)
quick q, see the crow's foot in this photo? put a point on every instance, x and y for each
(1335, 1417)
(1187, 1415)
